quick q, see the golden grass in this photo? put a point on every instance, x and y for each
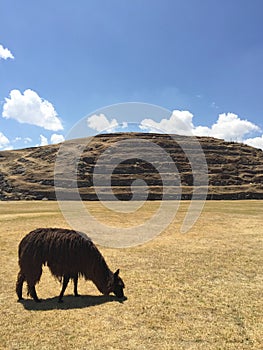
(200, 290)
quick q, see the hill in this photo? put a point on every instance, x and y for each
(235, 170)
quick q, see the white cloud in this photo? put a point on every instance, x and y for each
(27, 140)
(4, 142)
(179, 123)
(101, 123)
(228, 126)
(256, 142)
(5, 53)
(56, 138)
(43, 140)
(30, 108)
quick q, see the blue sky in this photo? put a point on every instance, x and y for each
(63, 60)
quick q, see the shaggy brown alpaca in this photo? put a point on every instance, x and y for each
(68, 254)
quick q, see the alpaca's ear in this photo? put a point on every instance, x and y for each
(117, 273)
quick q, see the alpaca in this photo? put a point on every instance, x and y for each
(68, 254)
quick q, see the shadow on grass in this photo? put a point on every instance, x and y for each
(69, 302)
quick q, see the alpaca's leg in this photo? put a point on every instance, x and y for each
(64, 286)
(75, 279)
(32, 279)
(19, 285)
(32, 292)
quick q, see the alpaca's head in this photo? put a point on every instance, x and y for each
(117, 285)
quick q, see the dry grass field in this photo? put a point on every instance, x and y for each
(200, 290)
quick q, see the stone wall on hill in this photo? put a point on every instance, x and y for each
(235, 170)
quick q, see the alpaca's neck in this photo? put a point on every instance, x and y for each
(99, 272)
(102, 277)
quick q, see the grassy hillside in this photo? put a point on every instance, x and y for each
(235, 171)
(200, 290)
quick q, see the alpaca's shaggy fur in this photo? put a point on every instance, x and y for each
(68, 254)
